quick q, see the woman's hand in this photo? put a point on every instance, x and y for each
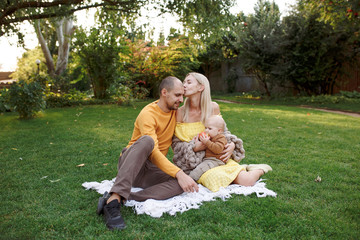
(199, 146)
(228, 151)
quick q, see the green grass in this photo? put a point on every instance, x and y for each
(334, 102)
(299, 144)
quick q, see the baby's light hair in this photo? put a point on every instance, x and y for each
(218, 121)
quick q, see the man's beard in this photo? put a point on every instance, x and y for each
(175, 106)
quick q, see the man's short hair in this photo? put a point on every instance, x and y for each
(167, 83)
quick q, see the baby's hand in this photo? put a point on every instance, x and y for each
(204, 137)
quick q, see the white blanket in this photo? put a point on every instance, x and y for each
(185, 201)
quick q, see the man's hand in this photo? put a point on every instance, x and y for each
(228, 151)
(186, 183)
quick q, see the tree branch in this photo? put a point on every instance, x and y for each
(34, 4)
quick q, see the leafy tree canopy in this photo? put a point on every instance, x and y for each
(342, 14)
(13, 12)
(208, 20)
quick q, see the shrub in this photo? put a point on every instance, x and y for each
(4, 100)
(26, 98)
(73, 98)
(353, 94)
(127, 93)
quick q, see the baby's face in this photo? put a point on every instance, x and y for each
(211, 128)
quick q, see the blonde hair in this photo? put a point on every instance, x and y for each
(217, 121)
(205, 98)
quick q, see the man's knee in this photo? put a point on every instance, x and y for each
(146, 142)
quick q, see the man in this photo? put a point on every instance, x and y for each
(143, 162)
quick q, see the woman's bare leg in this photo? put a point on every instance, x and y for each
(248, 178)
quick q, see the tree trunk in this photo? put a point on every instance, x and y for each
(64, 31)
(45, 49)
(262, 79)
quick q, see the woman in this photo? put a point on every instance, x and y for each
(188, 150)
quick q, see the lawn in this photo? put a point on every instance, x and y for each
(42, 196)
(334, 102)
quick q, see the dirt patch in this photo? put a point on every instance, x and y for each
(334, 111)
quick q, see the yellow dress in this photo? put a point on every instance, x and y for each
(214, 178)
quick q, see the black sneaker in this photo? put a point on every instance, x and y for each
(112, 215)
(102, 203)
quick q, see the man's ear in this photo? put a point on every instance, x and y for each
(163, 92)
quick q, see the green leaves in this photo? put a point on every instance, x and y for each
(259, 48)
(26, 98)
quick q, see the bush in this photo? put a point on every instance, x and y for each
(347, 94)
(26, 98)
(73, 98)
(127, 93)
(4, 100)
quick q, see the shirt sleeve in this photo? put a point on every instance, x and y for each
(217, 146)
(147, 126)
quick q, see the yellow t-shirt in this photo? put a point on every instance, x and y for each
(159, 125)
(187, 131)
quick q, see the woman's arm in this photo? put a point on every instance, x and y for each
(234, 148)
(228, 151)
(216, 108)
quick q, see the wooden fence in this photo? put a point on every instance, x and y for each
(350, 81)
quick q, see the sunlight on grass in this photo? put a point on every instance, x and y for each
(41, 184)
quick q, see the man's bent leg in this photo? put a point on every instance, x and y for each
(156, 184)
(131, 163)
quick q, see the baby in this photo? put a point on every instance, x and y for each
(215, 142)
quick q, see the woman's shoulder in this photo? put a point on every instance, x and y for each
(216, 108)
(179, 114)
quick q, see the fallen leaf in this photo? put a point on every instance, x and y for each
(308, 114)
(279, 127)
(319, 133)
(81, 165)
(318, 179)
(20, 158)
(55, 180)
(14, 149)
(44, 177)
(105, 164)
(51, 143)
